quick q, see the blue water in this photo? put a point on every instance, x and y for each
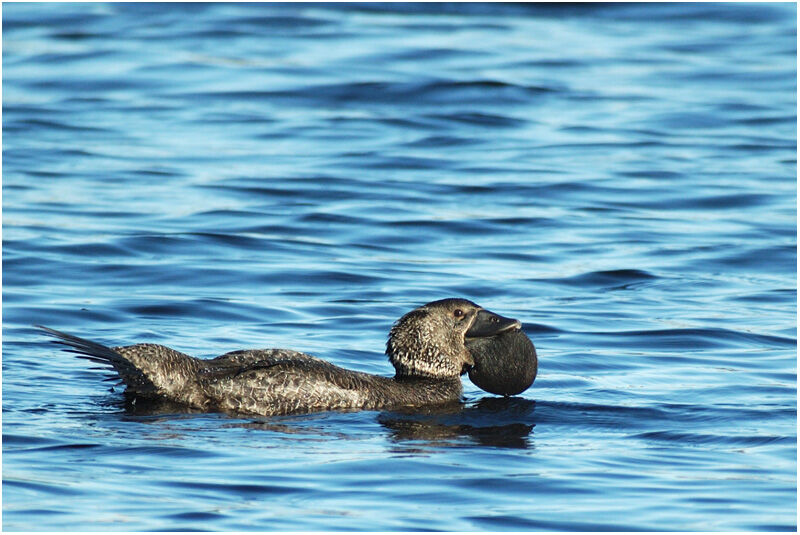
(622, 178)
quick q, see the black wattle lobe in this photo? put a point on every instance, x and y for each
(505, 364)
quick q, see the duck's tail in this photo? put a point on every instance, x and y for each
(132, 375)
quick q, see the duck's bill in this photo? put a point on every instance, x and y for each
(490, 324)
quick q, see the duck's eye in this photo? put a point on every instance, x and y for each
(458, 313)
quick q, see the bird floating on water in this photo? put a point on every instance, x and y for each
(429, 347)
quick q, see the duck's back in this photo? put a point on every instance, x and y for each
(281, 381)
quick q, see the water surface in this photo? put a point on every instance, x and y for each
(216, 177)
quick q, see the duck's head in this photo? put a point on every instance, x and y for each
(429, 341)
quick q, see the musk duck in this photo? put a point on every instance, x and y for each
(428, 347)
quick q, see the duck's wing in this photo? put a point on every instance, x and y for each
(279, 381)
(257, 367)
(237, 362)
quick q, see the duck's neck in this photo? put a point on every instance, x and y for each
(416, 391)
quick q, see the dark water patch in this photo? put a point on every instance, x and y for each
(382, 244)
(97, 250)
(391, 122)
(780, 258)
(79, 35)
(614, 279)
(442, 141)
(582, 96)
(64, 19)
(50, 156)
(287, 191)
(42, 513)
(199, 516)
(701, 12)
(39, 124)
(375, 92)
(602, 146)
(30, 112)
(226, 490)
(727, 201)
(24, 440)
(59, 447)
(769, 121)
(278, 22)
(780, 377)
(428, 54)
(555, 63)
(235, 240)
(187, 529)
(518, 257)
(651, 174)
(692, 339)
(59, 208)
(589, 415)
(433, 27)
(39, 488)
(158, 172)
(64, 57)
(771, 296)
(94, 85)
(538, 328)
(774, 527)
(761, 147)
(227, 214)
(165, 451)
(721, 413)
(76, 272)
(454, 227)
(17, 187)
(521, 523)
(708, 439)
(497, 422)
(479, 119)
(157, 243)
(213, 34)
(228, 118)
(726, 77)
(313, 277)
(512, 486)
(199, 308)
(404, 162)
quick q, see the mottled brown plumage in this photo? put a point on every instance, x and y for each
(426, 347)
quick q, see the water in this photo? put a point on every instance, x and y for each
(216, 177)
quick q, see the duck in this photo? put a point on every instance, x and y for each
(426, 347)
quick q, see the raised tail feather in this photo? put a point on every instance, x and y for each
(85, 349)
(98, 353)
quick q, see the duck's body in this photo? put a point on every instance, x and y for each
(274, 381)
(426, 347)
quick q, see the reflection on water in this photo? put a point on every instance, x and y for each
(491, 421)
